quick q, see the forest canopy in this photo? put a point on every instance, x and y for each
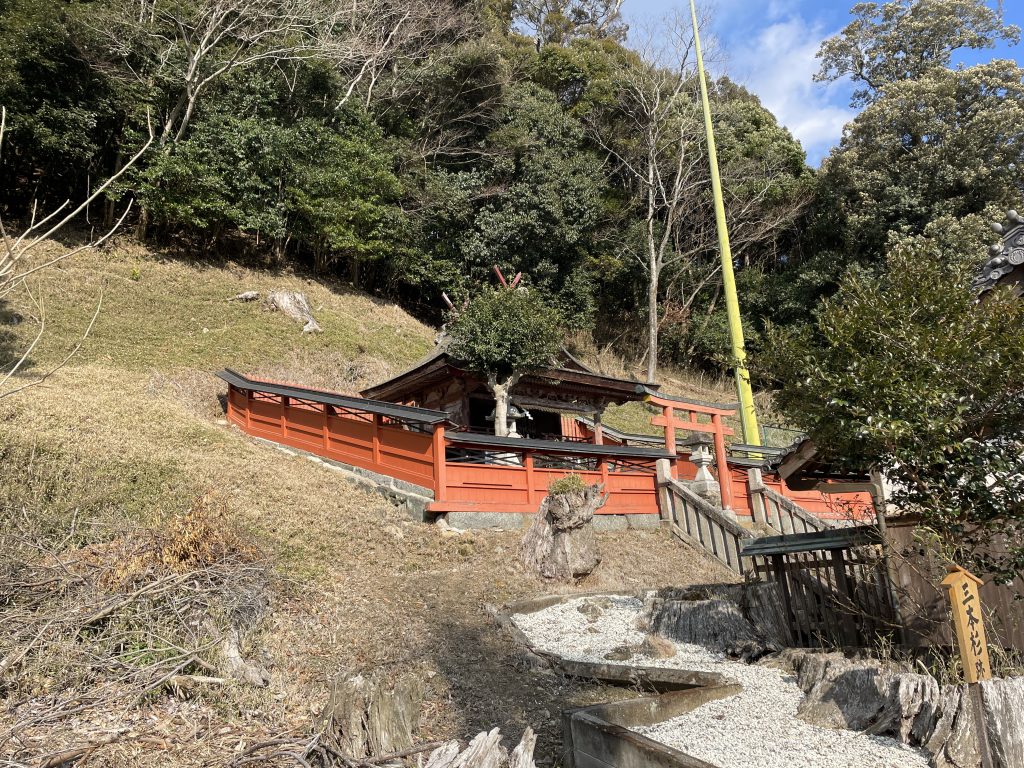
(409, 146)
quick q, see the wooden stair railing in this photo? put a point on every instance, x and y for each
(784, 516)
(703, 525)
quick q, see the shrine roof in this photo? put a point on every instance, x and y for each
(567, 374)
(1005, 265)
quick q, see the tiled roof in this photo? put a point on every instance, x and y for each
(1006, 256)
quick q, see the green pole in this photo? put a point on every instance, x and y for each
(748, 416)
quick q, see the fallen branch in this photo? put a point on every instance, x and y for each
(77, 753)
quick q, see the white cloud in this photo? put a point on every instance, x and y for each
(777, 62)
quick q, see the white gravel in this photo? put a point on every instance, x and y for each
(757, 728)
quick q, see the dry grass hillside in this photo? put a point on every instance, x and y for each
(140, 533)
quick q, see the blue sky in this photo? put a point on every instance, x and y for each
(769, 46)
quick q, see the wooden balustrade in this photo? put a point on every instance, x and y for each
(698, 522)
(785, 516)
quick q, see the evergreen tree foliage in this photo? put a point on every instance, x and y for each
(908, 373)
(505, 334)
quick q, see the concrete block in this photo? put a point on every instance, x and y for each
(642, 521)
(506, 520)
(610, 522)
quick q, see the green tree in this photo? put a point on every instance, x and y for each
(905, 39)
(950, 142)
(533, 203)
(908, 373)
(505, 334)
(931, 141)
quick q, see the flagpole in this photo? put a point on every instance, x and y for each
(748, 415)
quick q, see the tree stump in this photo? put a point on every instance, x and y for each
(367, 717)
(296, 306)
(485, 751)
(561, 543)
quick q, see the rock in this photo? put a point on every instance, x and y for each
(657, 647)
(593, 607)
(909, 707)
(952, 742)
(1003, 705)
(394, 531)
(853, 698)
(446, 529)
(245, 296)
(714, 623)
(561, 544)
(296, 306)
(621, 653)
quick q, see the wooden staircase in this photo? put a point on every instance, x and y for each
(717, 532)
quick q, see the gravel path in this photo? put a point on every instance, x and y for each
(757, 728)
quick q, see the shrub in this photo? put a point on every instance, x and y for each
(571, 483)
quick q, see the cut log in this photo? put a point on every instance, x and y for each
(296, 306)
(560, 543)
(485, 751)
(368, 717)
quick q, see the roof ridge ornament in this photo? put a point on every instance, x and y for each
(1005, 256)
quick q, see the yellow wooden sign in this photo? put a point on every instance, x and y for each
(969, 623)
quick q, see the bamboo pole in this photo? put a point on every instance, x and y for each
(748, 415)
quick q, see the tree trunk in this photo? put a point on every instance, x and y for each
(296, 306)
(653, 271)
(560, 543)
(142, 225)
(502, 397)
(485, 751)
(365, 717)
(652, 324)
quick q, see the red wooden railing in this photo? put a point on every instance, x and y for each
(511, 476)
(411, 444)
(479, 472)
(341, 432)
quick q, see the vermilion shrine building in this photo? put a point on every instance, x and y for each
(430, 429)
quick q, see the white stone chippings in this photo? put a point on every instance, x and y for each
(757, 728)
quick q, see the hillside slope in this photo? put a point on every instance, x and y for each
(123, 442)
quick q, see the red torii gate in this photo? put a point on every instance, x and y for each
(670, 421)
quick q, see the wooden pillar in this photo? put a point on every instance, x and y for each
(721, 460)
(598, 429)
(375, 455)
(440, 465)
(847, 596)
(285, 400)
(327, 427)
(248, 409)
(602, 467)
(670, 428)
(755, 485)
(531, 485)
(664, 473)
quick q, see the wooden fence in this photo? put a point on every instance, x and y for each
(835, 590)
(464, 472)
(487, 474)
(925, 606)
(696, 521)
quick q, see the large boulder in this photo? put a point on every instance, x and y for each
(864, 695)
(560, 543)
(715, 623)
(1003, 704)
